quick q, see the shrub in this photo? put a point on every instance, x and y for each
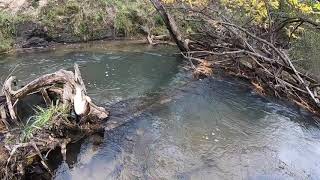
(7, 31)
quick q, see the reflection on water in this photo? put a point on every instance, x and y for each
(209, 129)
(214, 130)
(111, 75)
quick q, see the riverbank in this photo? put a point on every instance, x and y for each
(38, 24)
(96, 46)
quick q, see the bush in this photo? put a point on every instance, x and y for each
(7, 31)
(75, 17)
(133, 15)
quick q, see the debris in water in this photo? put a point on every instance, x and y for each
(129, 138)
(49, 127)
(205, 137)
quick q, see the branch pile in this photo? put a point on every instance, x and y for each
(219, 43)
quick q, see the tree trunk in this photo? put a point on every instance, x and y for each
(171, 26)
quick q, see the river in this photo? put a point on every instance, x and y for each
(177, 128)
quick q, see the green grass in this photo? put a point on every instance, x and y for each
(8, 24)
(83, 20)
(131, 16)
(84, 17)
(77, 17)
(7, 31)
(42, 119)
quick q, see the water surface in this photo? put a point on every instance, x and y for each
(179, 128)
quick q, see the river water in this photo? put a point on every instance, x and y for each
(177, 128)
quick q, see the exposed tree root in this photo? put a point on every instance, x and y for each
(57, 89)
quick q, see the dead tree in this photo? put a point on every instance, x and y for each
(171, 26)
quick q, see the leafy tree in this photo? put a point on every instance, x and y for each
(190, 2)
(263, 11)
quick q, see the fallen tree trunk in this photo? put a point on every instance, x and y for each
(171, 26)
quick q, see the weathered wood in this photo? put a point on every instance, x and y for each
(59, 77)
(67, 94)
(171, 26)
(7, 92)
(100, 112)
(3, 116)
(45, 96)
(55, 90)
(62, 85)
(52, 82)
(266, 64)
(78, 77)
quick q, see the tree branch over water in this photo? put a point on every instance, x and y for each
(245, 55)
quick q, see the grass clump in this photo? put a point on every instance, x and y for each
(131, 16)
(43, 118)
(83, 20)
(7, 31)
(80, 18)
(86, 18)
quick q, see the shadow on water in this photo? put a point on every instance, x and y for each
(170, 127)
(210, 129)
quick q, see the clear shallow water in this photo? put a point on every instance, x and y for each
(210, 129)
(111, 72)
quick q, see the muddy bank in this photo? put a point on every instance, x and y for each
(32, 34)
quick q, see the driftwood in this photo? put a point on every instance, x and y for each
(159, 40)
(66, 79)
(60, 85)
(244, 54)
